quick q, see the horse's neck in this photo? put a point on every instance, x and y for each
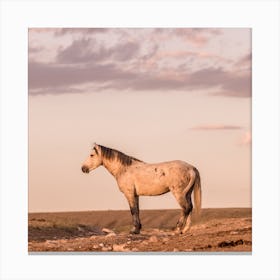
(114, 167)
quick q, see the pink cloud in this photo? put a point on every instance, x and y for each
(245, 60)
(195, 36)
(41, 30)
(216, 127)
(246, 139)
(34, 49)
(140, 61)
(63, 31)
(42, 75)
(87, 50)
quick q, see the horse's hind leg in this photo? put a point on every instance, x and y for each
(185, 202)
(181, 221)
(188, 211)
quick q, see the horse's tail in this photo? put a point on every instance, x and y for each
(197, 193)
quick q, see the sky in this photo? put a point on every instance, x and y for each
(155, 94)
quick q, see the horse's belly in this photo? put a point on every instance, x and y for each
(154, 191)
(151, 186)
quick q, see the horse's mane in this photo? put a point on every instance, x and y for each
(112, 154)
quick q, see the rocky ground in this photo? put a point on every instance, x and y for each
(217, 230)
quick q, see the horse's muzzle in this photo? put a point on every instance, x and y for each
(85, 169)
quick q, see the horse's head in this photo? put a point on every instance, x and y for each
(93, 161)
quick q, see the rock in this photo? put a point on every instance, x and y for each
(111, 234)
(101, 244)
(119, 248)
(107, 231)
(226, 244)
(238, 242)
(175, 250)
(51, 242)
(81, 229)
(153, 238)
(165, 239)
(106, 249)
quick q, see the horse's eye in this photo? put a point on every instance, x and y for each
(91, 155)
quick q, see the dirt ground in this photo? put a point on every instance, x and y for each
(217, 230)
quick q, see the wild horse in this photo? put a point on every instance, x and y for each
(136, 178)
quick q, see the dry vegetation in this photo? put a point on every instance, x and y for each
(227, 229)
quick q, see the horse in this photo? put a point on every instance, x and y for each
(137, 178)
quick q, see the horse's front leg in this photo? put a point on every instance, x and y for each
(134, 209)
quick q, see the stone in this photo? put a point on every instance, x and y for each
(165, 239)
(106, 249)
(107, 231)
(119, 248)
(110, 234)
(153, 238)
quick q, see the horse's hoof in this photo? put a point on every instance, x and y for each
(185, 230)
(178, 231)
(135, 231)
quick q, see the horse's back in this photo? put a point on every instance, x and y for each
(170, 166)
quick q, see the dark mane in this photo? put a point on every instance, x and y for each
(112, 154)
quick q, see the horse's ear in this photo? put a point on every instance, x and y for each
(96, 148)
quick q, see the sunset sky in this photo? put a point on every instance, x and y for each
(155, 94)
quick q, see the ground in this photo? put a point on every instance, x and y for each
(217, 230)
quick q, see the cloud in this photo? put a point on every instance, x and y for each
(245, 60)
(87, 50)
(41, 30)
(139, 61)
(236, 85)
(59, 32)
(55, 90)
(41, 75)
(230, 83)
(246, 139)
(216, 127)
(34, 49)
(194, 36)
(84, 31)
